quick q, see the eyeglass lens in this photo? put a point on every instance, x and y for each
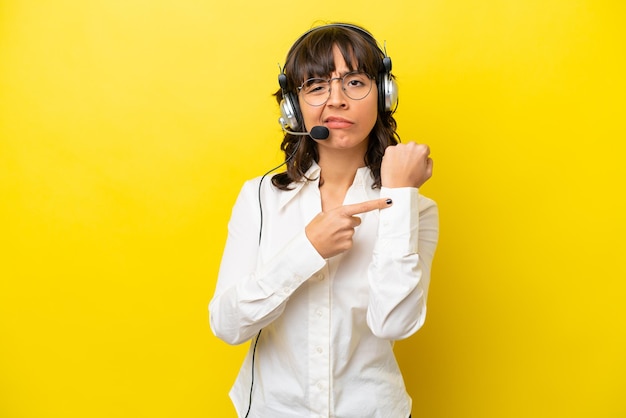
(316, 91)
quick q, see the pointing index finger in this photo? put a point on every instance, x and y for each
(368, 206)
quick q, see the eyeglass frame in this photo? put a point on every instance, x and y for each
(342, 79)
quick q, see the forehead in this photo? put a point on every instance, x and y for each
(337, 60)
(341, 66)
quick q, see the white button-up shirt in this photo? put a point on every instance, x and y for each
(328, 325)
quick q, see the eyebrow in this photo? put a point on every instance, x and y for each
(340, 75)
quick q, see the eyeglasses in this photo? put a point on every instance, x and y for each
(316, 91)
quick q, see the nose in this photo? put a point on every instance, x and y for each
(336, 97)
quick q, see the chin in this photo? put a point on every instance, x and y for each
(345, 142)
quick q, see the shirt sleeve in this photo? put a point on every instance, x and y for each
(249, 294)
(399, 274)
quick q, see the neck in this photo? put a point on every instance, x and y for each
(338, 169)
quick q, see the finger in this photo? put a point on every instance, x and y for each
(370, 205)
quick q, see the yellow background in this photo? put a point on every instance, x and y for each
(128, 126)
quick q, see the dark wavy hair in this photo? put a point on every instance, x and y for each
(312, 56)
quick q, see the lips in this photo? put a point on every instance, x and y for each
(336, 122)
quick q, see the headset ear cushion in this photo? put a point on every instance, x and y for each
(289, 112)
(387, 93)
(391, 95)
(387, 88)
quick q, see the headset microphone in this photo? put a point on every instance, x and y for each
(318, 132)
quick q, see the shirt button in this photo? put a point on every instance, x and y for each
(319, 313)
(319, 277)
(320, 350)
(320, 386)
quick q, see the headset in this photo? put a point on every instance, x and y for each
(291, 116)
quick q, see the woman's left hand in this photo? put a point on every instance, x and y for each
(406, 165)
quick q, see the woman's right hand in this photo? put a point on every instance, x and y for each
(331, 232)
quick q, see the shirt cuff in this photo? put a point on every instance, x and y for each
(399, 224)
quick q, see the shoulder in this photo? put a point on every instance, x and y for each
(260, 185)
(261, 190)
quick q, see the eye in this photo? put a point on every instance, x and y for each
(315, 86)
(356, 80)
(354, 83)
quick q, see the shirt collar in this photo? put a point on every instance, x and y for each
(312, 173)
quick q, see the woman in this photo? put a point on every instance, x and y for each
(328, 264)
